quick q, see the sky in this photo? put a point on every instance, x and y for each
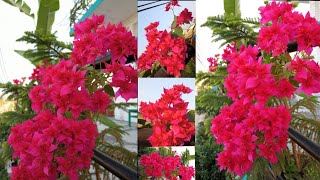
(158, 14)
(13, 25)
(204, 46)
(150, 89)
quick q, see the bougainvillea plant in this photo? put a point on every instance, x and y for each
(169, 117)
(59, 140)
(166, 50)
(255, 125)
(170, 167)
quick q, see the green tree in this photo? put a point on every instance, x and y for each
(206, 154)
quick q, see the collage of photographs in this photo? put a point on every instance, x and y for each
(159, 90)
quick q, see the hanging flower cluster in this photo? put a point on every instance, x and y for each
(93, 41)
(250, 127)
(169, 117)
(169, 51)
(58, 140)
(287, 26)
(169, 167)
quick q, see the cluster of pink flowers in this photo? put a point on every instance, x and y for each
(287, 26)
(184, 17)
(307, 73)
(171, 5)
(47, 144)
(250, 127)
(125, 78)
(169, 167)
(169, 116)
(169, 51)
(93, 40)
(57, 140)
(213, 62)
(19, 82)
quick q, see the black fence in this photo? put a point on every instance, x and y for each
(116, 168)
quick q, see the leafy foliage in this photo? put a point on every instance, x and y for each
(19, 94)
(211, 92)
(210, 103)
(46, 47)
(5, 155)
(206, 152)
(46, 15)
(80, 6)
(21, 5)
(232, 28)
(232, 8)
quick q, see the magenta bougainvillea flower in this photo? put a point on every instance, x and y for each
(57, 142)
(169, 51)
(213, 62)
(287, 26)
(36, 140)
(171, 4)
(169, 167)
(126, 78)
(307, 73)
(169, 111)
(184, 17)
(250, 127)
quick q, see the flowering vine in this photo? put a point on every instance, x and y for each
(167, 49)
(254, 125)
(169, 117)
(169, 167)
(59, 140)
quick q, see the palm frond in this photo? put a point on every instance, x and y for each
(119, 153)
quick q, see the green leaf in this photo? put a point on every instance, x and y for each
(109, 90)
(146, 73)
(232, 8)
(178, 32)
(46, 15)
(174, 22)
(191, 115)
(21, 5)
(108, 122)
(25, 55)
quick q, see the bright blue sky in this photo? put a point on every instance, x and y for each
(158, 14)
(150, 89)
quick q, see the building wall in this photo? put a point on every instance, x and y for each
(131, 24)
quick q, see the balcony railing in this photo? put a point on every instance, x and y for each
(306, 144)
(113, 166)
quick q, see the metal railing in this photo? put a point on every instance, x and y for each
(113, 166)
(305, 143)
